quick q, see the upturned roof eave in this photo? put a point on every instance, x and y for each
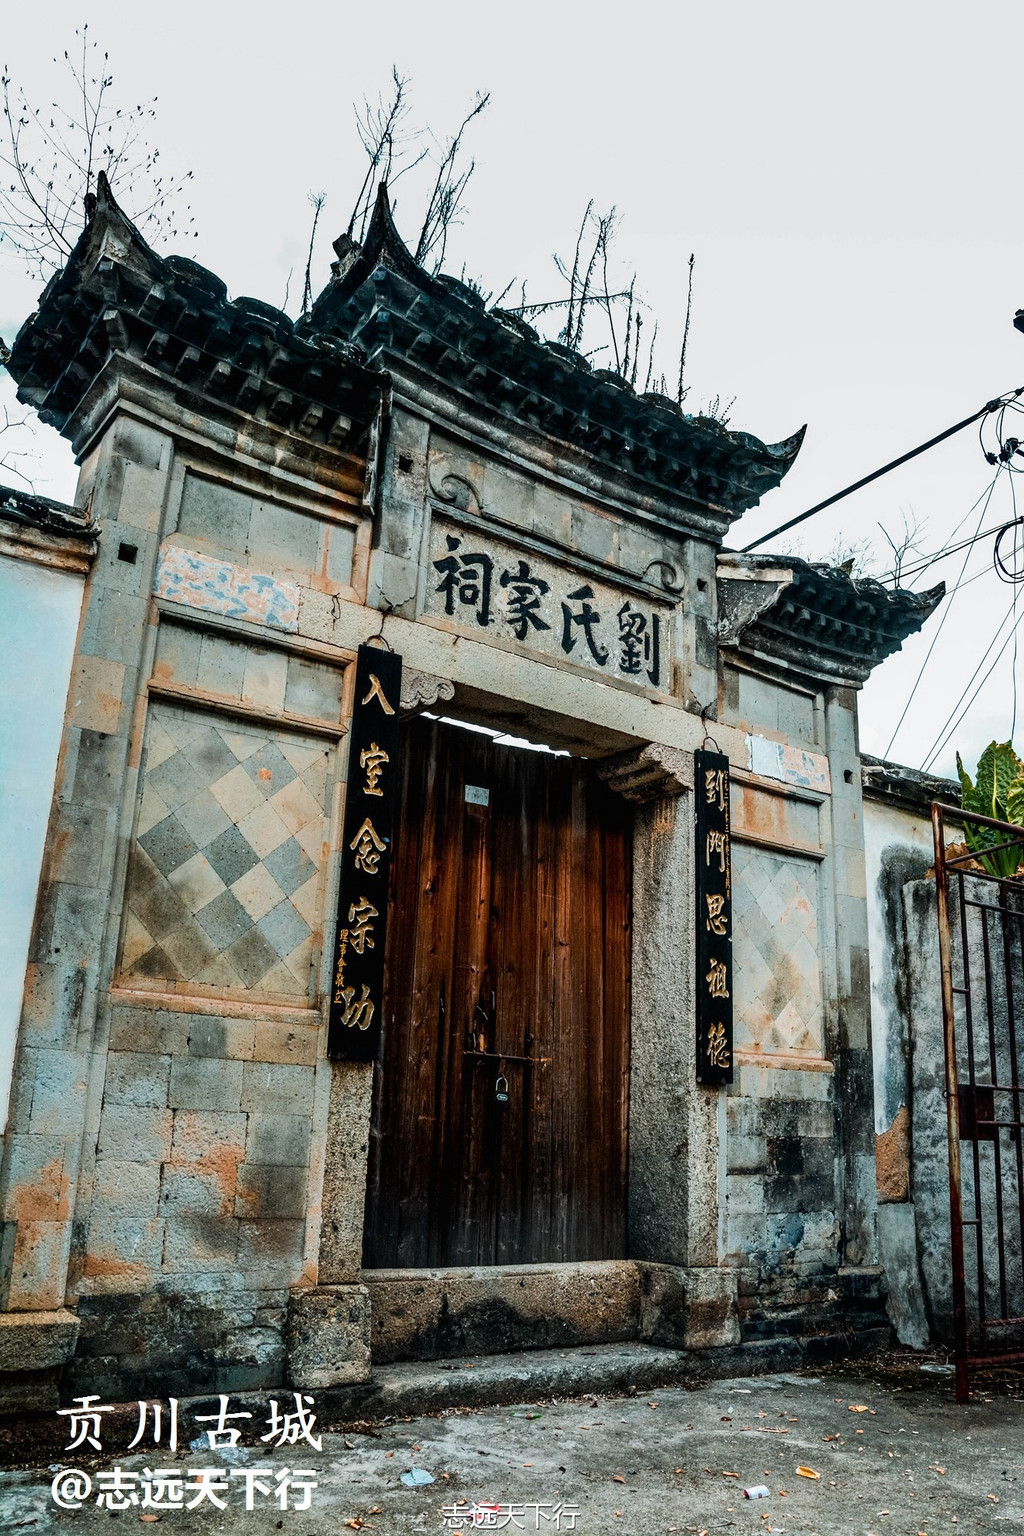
(829, 621)
(117, 295)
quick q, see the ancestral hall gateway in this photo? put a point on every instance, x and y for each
(452, 932)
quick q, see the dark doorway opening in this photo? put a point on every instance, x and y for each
(500, 1107)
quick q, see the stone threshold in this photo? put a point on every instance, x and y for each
(448, 1313)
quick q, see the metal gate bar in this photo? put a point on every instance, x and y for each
(981, 953)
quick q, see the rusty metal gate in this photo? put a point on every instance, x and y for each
(981, 950)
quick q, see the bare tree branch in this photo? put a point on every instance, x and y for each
(379, 132)
(51, 161)
(445, 203)
(573, 277)
(508, 286)
(317, 200)
(650, 359)
(907, 543)
(717, 410)
(681, 390)
(605, 229)
(11, 457)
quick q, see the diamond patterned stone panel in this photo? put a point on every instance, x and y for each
(777, 1003)
(224, 877)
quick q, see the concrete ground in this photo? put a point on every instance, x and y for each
(894, 1454)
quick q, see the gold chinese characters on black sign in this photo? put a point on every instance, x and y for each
(357, 982)
(714, 918)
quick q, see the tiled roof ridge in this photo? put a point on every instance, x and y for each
(400, 313)
(884, 779)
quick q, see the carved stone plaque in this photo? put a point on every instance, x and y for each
(495, 592)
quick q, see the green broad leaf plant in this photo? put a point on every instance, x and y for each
(998, 792)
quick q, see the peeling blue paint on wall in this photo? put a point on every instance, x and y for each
(217, 586)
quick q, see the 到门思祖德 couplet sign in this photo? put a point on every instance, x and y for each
(714, 917)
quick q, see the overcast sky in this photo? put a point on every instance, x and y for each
(848, 179)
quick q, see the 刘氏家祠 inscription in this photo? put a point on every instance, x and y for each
(495, 592)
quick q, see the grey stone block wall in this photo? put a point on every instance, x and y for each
(782, 1227)
(160, 1343)
(208, 1161)
(175, 1133)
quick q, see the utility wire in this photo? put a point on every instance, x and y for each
(986, 409)
(945, 612)
(940, 739)
(916, 568)
(1016, 577)
(911, 569)
(936, 750)
(926, 562)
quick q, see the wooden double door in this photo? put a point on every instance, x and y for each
(500, 1108)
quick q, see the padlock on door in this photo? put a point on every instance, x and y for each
(501, 1091)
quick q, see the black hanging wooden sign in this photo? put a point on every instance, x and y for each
(714, 917)
(357, 987)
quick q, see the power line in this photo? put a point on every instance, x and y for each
(986, 409)
(1015, 577)
(914, 568)
(927, 561)
(939, 740)
(945, 612)
(948, 733)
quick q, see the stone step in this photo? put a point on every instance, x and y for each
(414, 1387)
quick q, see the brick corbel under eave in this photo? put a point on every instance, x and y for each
(647, 773)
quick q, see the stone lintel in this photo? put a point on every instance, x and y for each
(36, 1341)
(648, 773)
(688, 1308)
(328, 1336)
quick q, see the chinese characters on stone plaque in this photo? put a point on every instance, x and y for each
(357, 981)
(714, 917)
(487, 586)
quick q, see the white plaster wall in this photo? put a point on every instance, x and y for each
(886, 826)
(39, 613)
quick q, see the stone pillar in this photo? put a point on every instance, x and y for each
(687, 1298)
(59, 1061)
(852, 1051)
(348, 1136)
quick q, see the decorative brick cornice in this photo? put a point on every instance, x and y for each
(45, 532)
